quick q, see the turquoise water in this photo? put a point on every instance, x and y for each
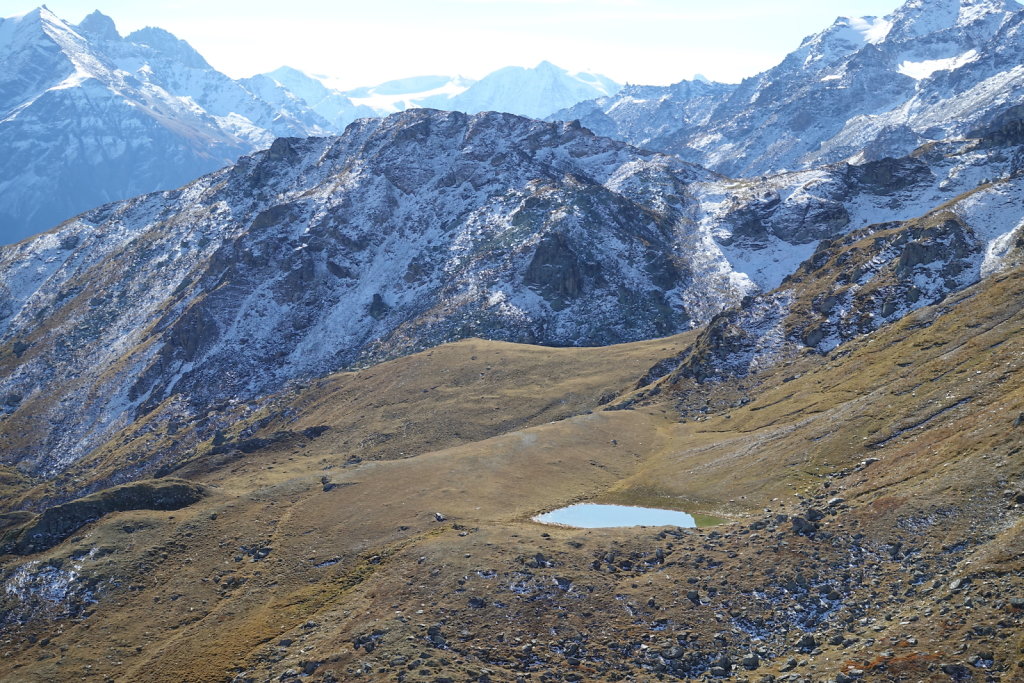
(595, 516)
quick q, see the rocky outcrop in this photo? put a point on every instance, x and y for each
(23, 533)
(555, 271)
(889, 176)
(852, 285)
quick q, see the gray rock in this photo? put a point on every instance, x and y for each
(674, 652)
(802, 526)
(806, 643)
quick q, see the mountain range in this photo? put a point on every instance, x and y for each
(295, 418)
(101, 117)
(861, 90)
(534, 93)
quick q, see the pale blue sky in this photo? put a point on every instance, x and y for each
(364, 42)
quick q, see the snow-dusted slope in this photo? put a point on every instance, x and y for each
(87, 117)
(324, 252)
(430, 226)
(337, 108)
(864, 88)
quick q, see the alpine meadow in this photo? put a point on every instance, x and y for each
(296, 379)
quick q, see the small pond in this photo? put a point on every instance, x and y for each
(595, 516)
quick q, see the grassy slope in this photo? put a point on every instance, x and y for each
(935, 398)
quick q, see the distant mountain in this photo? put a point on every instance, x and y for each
(337, 108)
(534, 93)
(88, 117)
(863, 89)
(410, 93)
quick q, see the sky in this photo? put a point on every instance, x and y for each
(366, 42)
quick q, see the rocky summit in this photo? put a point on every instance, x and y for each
(296, 419)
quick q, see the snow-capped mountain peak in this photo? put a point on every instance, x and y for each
(169, 47)
(100, 26)
(917, 18)
(535, 92)
(844, 37)
(31, 57)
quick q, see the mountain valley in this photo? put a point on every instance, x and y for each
(294, 419)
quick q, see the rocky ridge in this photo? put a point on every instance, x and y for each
(320, 254)
(328, 253)
(864, 89)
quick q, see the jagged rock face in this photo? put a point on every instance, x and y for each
(850, 286)
(864, 89)
(321, 253)
(119, 117)
(426, 227)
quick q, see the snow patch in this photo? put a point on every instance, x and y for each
(997, 251)
(924, 69)
(873, 29)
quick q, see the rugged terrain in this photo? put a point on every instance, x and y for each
(88, 116)
(293, 420)
(857, 546)
(329, 253)
(863, 89)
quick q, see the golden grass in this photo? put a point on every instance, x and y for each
(489, 435)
